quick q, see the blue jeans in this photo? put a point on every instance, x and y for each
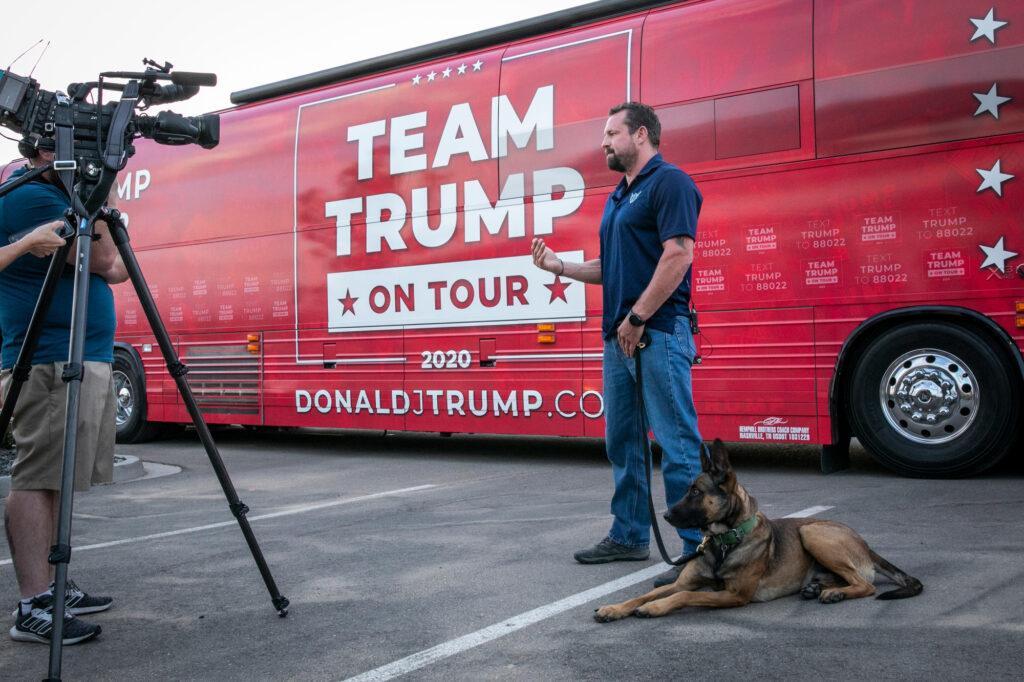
(670, 413)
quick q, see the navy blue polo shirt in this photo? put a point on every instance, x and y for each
(662, 203)
(28, 206)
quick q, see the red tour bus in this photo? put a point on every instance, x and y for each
(355, 253)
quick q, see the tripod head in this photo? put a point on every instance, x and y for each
(93, 142)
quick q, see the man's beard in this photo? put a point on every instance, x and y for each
(620, 163)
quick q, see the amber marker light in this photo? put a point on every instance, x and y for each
(253, 343)
(546, 332)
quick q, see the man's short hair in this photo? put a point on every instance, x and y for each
(637, 115)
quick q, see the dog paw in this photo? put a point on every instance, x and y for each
(651, 610)
(811, 591)
(606, 614)
(831, 597)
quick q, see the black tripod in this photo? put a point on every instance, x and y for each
(60, 554)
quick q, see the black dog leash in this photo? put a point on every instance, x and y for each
(645, 444)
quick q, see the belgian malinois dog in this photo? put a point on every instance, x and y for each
(746, 557)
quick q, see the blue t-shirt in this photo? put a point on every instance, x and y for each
(662, 203)
(28, 206)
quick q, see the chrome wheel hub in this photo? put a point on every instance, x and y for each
(929, 396)
(124, 394)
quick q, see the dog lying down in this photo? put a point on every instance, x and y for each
(747, 557)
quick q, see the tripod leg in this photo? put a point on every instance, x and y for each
(178, 371)
(60, 554)
(23, 365)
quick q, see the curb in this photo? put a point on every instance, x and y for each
(126, 468)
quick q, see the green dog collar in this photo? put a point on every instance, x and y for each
(735, 535)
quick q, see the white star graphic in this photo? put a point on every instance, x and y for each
(416, 79)
(448, 71)
(987, 27)
(477, 65)
(993, 178)
(431, 76)
(462, 69)
(996, 255)
(990, 101)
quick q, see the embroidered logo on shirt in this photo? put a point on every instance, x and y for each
(634, 196)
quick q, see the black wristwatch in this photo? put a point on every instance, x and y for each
(635, 320)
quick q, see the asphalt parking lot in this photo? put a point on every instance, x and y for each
(429, 558)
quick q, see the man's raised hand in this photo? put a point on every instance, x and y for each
(544, 258)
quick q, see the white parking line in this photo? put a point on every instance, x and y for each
(474, 639)
(804, 513)
(232, 522)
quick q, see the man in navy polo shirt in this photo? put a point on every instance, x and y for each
(647, 235)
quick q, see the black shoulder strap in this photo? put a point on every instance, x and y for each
(64, 158)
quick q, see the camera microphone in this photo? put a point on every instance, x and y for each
(193, 78)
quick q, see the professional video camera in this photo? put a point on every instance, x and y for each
(91, 143)
(103, 132)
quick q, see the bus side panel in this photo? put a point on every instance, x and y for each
(240, 189)
(857, 238)
(211, 231)
(375, 234)
(494, 380)
(356, 383)
(716, 111)
(756, 377)
(701, 50)
(920, 80)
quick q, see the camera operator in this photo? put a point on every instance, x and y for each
(32, 506)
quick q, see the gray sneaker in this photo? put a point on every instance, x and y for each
(37, 626)
(77, 602)
(609, 550)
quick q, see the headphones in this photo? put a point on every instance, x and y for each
(27, 149)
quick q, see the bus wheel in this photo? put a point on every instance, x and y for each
(934, 400)
(130, 394)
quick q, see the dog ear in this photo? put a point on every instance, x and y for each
(720, 468)
(705, 460)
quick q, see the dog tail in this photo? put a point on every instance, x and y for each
(909, 586)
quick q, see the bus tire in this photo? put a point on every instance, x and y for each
(130, 394)
(934, 400)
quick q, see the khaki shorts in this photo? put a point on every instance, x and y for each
(39, 427)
